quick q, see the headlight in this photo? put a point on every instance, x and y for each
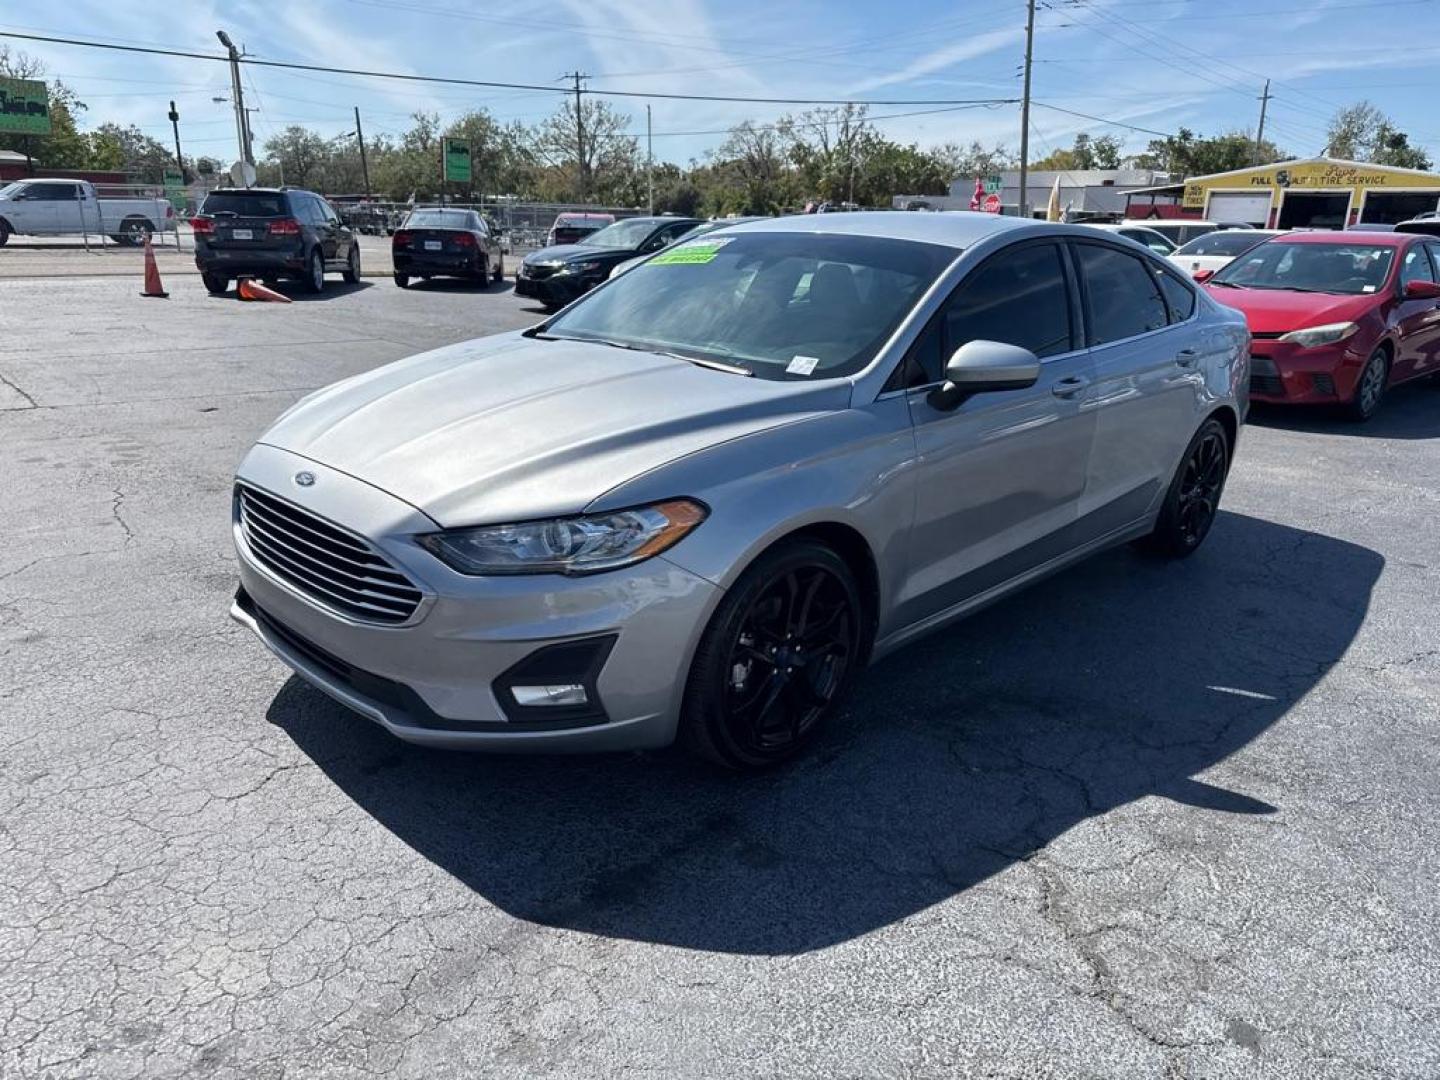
(579, 268)
(1320, 335)
(577, 545)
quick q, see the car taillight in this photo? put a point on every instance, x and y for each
(464, 239)
(401, 239)
(285, 227)
(202, 226)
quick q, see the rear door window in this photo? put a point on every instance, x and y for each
(265, 204)
(1179, 296)
(1122, 297)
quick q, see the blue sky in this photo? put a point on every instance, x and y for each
(1156, 64)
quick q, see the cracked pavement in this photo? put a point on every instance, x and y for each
(1144, 820)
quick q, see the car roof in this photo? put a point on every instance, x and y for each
(951, 228)
(569, 215)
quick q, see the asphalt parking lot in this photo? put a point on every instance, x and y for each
(1144, 820)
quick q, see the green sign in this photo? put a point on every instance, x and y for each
(24, 107)
(992, 184)
(175, 188)
(457, 160)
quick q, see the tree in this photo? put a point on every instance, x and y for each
(63, 148)
(298, 155)
(968, 162)
(1085, 153)
(1361, 132)
(752, 170)
(607, 168)
(144, 157)
(1187, 154)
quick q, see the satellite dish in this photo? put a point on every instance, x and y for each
(242, 174)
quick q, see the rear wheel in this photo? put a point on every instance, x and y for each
(216, 284)
(403, 280)
(134, 231)
(352, 265)
(1370, 389)
(315, 277)
(4, 232)
(499, 269)
(775, 660)
(1194, 496)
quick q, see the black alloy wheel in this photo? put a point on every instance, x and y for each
(1193, 500)
(776, 658)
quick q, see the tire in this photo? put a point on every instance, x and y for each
(482, 275)
(4, 232)
(795, 610)
(215, 284)
(403, 280)
(499, 269)
(133, 231)
(1369, 388)
(1194, 495)
(352, 265)
(315, 273)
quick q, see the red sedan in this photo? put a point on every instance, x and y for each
(1337, 318)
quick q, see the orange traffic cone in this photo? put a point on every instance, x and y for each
(250, 289)
(152, 273)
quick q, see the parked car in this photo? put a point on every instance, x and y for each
(699, 230)
(694, 504)
(1337, 318)
(1180, 231)
(61, 207)
(1141, 234)
(442, 242)
(556, 275)
(272, 233)
(571, 228)
(1204, 255)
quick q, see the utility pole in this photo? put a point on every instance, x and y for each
(577, 76)
(364, 165)
(175, 123)
(1260, 131)
(649, 163)
(1025, 108)
(237, 96)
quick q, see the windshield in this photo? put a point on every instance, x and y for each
(1229, 242)
(439, 219)
(1348, 269)
(623, 234)
(9, 189)
(778, 305)
(246, 203)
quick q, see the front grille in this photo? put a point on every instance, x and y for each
(332, 567)
(537, 273)
(1267, 335)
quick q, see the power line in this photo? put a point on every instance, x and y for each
(1103, 120)
(538, 88)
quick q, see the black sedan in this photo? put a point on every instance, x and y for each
(446, 243)
(556, 275)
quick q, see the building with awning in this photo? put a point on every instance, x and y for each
(1311, 193)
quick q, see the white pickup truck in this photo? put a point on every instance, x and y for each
(70, 207)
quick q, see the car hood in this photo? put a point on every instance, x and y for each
(510, 428)
(1278, 311)
(567, 252)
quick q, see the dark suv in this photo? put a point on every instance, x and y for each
(272, 233)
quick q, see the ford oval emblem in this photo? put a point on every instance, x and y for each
(305, 479)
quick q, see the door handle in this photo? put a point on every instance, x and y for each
(1187, 357)
(1068, 388)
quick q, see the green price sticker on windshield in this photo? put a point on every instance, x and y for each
(695, 253)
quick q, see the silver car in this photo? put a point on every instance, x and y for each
(697, 501)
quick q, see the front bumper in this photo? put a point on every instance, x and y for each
(1282, 373)
(433, 680)
(558, 289)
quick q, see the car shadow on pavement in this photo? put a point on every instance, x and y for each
(1411, 411)
(297, 291)
(447, 284)
(1120, 679)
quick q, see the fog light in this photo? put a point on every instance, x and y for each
(561, 694)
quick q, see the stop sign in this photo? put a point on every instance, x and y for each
(991, 205)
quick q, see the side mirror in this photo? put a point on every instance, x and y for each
(1203, 275)
(1422, 290)
(981, 366)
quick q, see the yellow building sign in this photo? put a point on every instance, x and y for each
(1315, 175)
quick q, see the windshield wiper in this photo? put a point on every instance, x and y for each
(629, 347)
(1227, 284)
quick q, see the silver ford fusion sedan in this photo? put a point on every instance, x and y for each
(696, 502)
